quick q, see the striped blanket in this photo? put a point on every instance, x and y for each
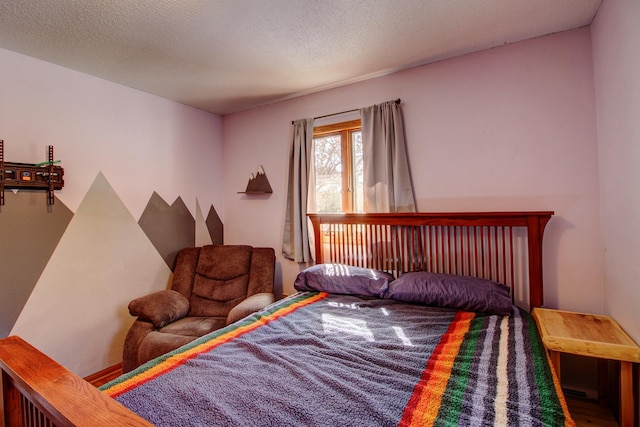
(317, 359)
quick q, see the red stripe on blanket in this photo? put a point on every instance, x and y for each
(424, 403)
(178, 359)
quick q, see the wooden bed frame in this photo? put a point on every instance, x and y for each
(502, 246)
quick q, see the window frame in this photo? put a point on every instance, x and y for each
(345, 130)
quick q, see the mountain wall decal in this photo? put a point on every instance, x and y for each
(29, 231)
(169, 227)
(77, 312)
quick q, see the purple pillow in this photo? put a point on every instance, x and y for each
(343, 279)
(452, 291)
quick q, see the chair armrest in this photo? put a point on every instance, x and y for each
(250, 305)
(160, 308)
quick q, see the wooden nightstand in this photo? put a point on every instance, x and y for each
(594, 336)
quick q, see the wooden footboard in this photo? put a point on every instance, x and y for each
(37, 391)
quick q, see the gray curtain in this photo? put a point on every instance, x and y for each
(387, 179)
(295, 240)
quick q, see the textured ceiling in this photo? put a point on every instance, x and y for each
(225, 56)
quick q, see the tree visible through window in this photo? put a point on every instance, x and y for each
(338, 167)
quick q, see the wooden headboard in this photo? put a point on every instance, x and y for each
(501, 246)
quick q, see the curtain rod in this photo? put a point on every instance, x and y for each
(397, 101)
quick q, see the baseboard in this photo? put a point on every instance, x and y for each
(104, 376)
(580, 393)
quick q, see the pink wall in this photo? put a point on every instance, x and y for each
(117, 146)
(511, 128)
(616, 55)
(96, 125)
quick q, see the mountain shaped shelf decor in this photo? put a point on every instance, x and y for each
(258, 183)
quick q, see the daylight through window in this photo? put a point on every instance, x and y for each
(338, 167)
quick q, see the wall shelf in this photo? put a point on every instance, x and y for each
(258, 184)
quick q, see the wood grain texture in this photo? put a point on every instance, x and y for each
(594, 336)
(105, 375)
(590, 414)
(63, 397)
(585, 334)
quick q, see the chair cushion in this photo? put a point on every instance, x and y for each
(156, 344)
(176, 334)
(194, 326)
(224, 262)
(221, 279)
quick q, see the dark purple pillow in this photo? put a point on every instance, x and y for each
(343, 279)
(452, 291)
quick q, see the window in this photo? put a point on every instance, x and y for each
(338, 167)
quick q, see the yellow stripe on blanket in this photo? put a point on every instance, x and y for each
(181, 356)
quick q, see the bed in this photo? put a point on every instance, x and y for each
(406, 319)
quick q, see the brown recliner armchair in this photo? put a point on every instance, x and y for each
(212, 286)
